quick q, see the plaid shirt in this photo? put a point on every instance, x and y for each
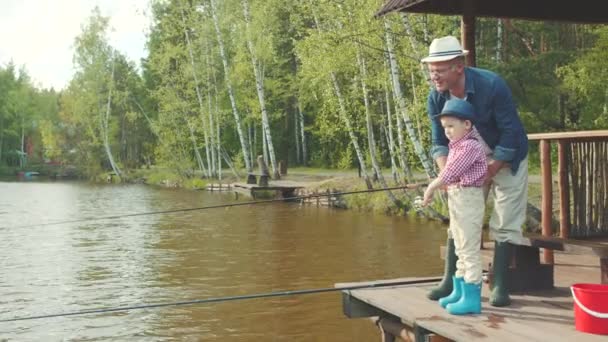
(466, 164)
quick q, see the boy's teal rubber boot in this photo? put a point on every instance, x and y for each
(502, 259)
(445, 286)
(456, 292)
(469, 303)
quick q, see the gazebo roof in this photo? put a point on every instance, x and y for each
(584, 11)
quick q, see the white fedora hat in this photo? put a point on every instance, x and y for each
(444, 49)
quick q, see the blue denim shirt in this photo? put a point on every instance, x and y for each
(496, 117)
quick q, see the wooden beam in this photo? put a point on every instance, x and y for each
(355, 308)
(467, 32)
(564, 190)
(570, 135)
(547, 194)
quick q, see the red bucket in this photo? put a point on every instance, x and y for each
(590, 308)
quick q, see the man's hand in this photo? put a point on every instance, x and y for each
(493, 167)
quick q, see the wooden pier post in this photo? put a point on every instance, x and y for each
(547, 194)
(564, 190)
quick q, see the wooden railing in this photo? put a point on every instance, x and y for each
(582, 183)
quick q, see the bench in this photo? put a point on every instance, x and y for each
(527, 273)
(574, 246)
(252, 178)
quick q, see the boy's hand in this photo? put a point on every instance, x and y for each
(428, 196)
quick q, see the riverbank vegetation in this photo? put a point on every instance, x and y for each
(302, 83)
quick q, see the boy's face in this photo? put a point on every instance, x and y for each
(454, 127)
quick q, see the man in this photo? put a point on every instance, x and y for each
(499, 126)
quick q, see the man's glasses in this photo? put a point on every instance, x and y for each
(440, 72)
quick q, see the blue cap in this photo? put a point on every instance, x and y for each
(458, 108)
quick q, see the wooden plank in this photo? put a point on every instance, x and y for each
(597, 248)
(547, 195)
(529, 318)
(583, 135)
(564, 190)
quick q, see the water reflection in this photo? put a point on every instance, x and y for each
(192, 255)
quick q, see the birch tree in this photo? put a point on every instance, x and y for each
(401, 107)
(258, 71)
(235, 112)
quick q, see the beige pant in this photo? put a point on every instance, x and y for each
(510, 198)
(467, 206)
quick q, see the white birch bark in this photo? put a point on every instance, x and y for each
(219, 152)
(370, 129)
(1, 136)
(297, 136)
(21, 157)
(499, 40)
(197, 154)
(302, 135)
(105, 125)
(414, 44)
(219, 132)
(401, 155)
(215, 157)
(198, 96)
(235, 112)
(389, 137)
(401, 107)
(349, 128)
(259, 87)
(344, 115)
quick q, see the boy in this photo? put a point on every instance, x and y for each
(464, 174)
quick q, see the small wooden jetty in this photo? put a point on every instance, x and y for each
(281, 188)
(545, 315)
(218, 187)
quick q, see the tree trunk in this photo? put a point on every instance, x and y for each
(259, 86)
(1, 137)
(237, 117)
(297, 137)
(219, 152)
(498, 40)
(391, 141)
(426, 164)
(370, 129)
(414, 45)
(197, 153)
(349, 128)
(215, 157)
(302, 135)
(230, 164)
(401, 156)
(22, 156)
(198, 96)
(105, 126)
(344, 116)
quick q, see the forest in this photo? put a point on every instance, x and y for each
(314, 83)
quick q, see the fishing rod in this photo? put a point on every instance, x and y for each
(170, 211)
(227, 299)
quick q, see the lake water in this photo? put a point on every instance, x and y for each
(49, 269)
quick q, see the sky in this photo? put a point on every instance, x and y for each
(39, 34)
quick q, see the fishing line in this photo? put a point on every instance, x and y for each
(225, 299)
(171, 211)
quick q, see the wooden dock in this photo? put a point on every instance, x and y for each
(534, 316)
(283, 189)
